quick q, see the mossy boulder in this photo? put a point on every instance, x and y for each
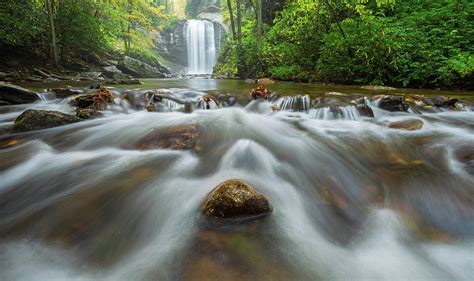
(234, 199)
(32, 120)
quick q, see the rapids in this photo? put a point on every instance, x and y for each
(353, 199)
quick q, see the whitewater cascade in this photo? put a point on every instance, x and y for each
(201, 46)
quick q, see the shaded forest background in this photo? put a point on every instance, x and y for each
(417, 43)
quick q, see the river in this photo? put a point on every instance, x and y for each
(353, 198)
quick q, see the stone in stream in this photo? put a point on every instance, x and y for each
(365, 110)
(393, 103)
(88, 113)
(62, 93)
(97, 101)
(235, 199)
(441, 101)
(261, 92)
(11, 94)
(32, 120)
(177, 138)
(407, 125)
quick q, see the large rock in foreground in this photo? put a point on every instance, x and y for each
(235, 199)
(11, 94)
(32, 120)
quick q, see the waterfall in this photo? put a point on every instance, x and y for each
(200, 46)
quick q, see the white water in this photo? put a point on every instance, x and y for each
(293, 158)
(201, 46)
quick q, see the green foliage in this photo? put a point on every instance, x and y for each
(85, 28)
(419, 43)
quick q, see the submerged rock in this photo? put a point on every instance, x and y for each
(261, 92)
(465, 155)
(11, 94)
(393, 103)
(177, 138)
(235, 199)
(32, 120)
(407, 125)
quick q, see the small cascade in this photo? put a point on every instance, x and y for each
(335, 113)
(296, 103)
(201, 46)
(206, 103)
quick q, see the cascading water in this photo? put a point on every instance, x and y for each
(353, 198)
(201, 46)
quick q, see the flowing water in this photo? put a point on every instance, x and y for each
(201, 46)
(353, 199)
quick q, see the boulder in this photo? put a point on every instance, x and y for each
(235, 199)
(62, 93)
(137, 68)
(407, 125)
(32, 120)
(442, 101)
(97, 101)
(365, 110)
(113, 72)
(261, 92)
(12, 94)
(176, 138)
(88, 113)
(393, 103)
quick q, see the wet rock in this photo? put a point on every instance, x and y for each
(176, 138)
(95, 86)
(32, 120)
(265, 81)
(393, 103)
(207, 103)
(88, 113)
(407, 125)
(294, 103)
(446, 102)
(261, 92)
(235, 199)
(465, 155)
(97, 101)
(62, 93)
(12, 94)
(249, 81)
(365, 110)
(227, 100)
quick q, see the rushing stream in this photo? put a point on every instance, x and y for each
(353, 199)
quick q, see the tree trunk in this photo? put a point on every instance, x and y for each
(127, 37)
(53, 49)
(239, 20)
(259, 20)
(232, 22)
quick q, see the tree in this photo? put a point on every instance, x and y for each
(53, 50)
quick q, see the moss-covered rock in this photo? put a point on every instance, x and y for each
(32, 120)
(235, 199)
